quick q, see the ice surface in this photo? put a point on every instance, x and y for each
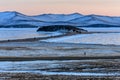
(111, 29)
(21, 33)
(111, 37)
(100, 38)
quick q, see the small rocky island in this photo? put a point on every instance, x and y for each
(62, 28)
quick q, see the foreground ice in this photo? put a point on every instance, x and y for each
(56, 67)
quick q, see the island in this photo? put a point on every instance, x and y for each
(62, 28)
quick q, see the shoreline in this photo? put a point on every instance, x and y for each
(58, 58)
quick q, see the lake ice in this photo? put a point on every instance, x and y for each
(22, 33)
(97, 38)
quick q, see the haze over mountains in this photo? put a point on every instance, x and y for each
(16, 19)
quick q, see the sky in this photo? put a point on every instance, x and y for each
(35, 7)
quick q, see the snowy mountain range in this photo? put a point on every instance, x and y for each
(16, 19)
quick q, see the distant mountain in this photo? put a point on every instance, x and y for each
(16, 19)
(96, 19)
(57, 17)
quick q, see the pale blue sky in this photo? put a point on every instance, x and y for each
(33, 7)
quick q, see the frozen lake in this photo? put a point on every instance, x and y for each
(21, 33)
(100, 38)
(97, 38)
(111, 29)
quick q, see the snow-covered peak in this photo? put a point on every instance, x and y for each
(10, 18)
(6, 16)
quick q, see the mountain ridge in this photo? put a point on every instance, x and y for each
(12, 18)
